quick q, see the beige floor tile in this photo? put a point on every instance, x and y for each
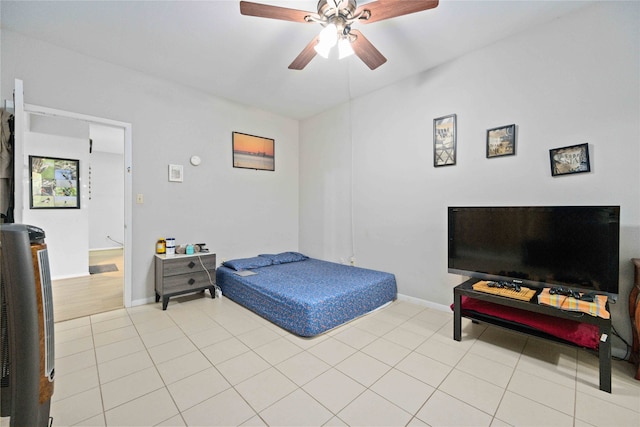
(277, 351)
(552, 366)
(258, 337)
(520, 411)
(146, 410)
(114, 335)
(603, 413)
(332, 351)
(434, 317)
(77, 407)
(71, 324)
(448, 354)
(473, 391)
(500, 344)
(109, 315)
(386, 351)
(118, 349)
(265, 388)
(334, 390)
(97, 421)
(425, 369)
(111, 324)
(333, 371)
(123, 366)
(546, 392)
(403, 390)
(355, 337)
(157, 323)
(192, 390)
(242, 367)
(75, 382)
(209, 337)
(63, 349)
(363, 368)
(306, 342)
(224, 409)
(152, 339)
(296, 409)
(302, 368)
(374, 326)
(175, 421)
(444, 410)
(489, 370)
(369, 409)
(405, 337)
(183, 366)
(130, 387)
(72, 334)
(75, 362)
(171, 350)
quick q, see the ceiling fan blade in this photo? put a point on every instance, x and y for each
(307, 54)
(366, 51)
(385, 9)
(273, 12)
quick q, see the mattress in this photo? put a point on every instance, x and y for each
(310, 296)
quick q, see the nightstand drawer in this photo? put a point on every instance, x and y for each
(175, 266)
(183, 282)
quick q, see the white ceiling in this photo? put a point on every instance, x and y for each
(209, 46)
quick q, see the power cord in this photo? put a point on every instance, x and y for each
(218, 291)
(627, 353)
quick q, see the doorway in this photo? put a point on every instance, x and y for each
(123, 261)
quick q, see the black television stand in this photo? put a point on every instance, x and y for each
(604, 325)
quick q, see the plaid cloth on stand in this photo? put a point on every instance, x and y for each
(596, 308)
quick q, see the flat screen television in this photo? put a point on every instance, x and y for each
(538, 246)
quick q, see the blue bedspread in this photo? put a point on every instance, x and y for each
(309, 297)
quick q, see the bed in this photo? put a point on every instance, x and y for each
(303, 295)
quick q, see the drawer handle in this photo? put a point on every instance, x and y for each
(192, 264)
(191, 281)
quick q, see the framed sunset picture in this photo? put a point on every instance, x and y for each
(253, 152)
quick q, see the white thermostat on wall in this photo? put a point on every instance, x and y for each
(195, 160)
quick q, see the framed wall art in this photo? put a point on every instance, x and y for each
(54, 183)
(569, 160)
(176, 173)
(501, 141)
(253, 152)
(444, 141)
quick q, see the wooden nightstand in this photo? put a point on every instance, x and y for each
(182, 274)
(634, 314)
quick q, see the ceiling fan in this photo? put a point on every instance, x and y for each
(337, 16)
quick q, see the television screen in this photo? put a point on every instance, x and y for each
(569, 246)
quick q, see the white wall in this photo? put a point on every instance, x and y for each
(106, 204)
(66, 230)
(237, 212)
(572, 81)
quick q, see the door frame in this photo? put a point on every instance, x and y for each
(53, 112)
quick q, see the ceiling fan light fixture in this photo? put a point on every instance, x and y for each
(323, 49)
(329, 35)
(344, 48)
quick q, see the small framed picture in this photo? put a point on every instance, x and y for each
(501, 141)
(54, 183)
(175, 173)
(568, 160)
(444, 141)
(253, 152)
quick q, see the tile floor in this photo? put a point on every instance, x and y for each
(211, 362)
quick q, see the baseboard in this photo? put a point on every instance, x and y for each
(143, 301)
(424, 303)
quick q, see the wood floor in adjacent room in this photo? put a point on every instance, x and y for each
(92, 294)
